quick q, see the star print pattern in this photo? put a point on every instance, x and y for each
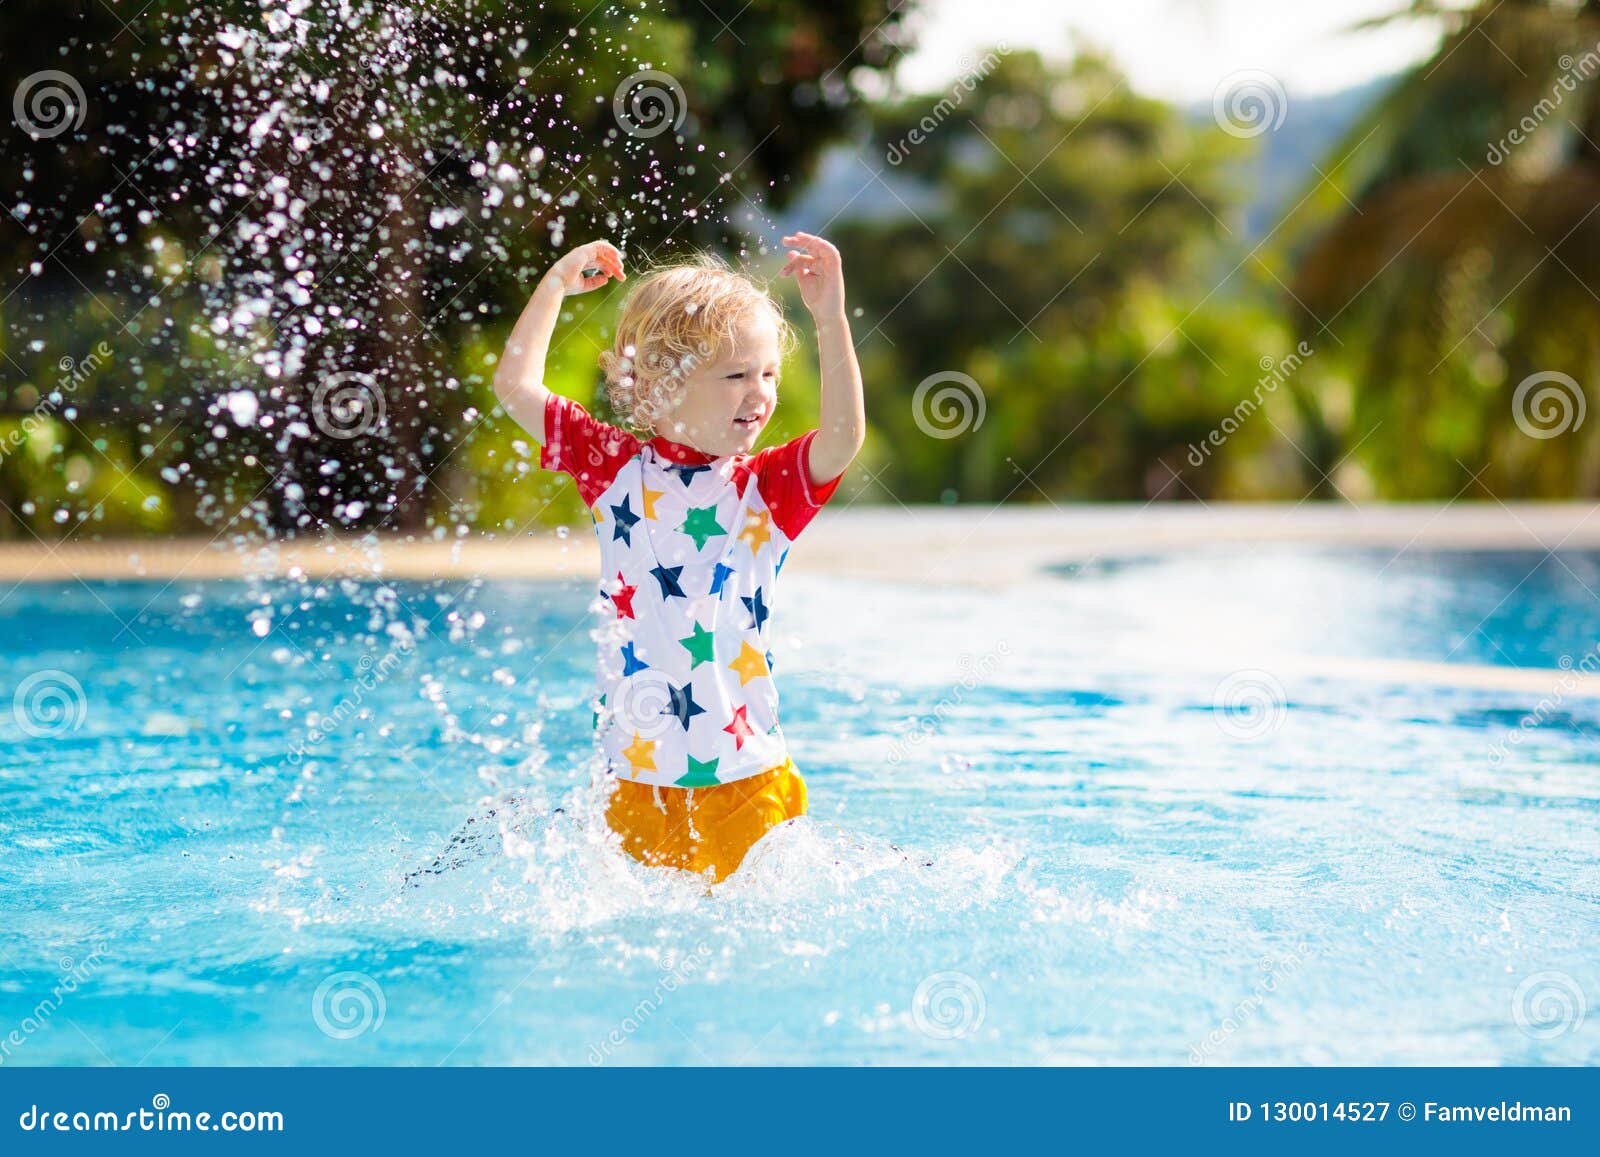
(701, 645)
(757, 607)
(692, 546)
(682, 706)
(631, 663)
(623, 520)
(702, 525)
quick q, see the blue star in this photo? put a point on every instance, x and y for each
(719, 577)
(667, 576)
(683, 705)
(686, 473)
(757, 607)
(769, 660)
(631, 663)
(625, 518)
(782, 558)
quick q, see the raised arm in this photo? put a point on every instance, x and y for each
(519, 378)
(817, 268)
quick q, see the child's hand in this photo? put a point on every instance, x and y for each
(819, 270)
(569, 272)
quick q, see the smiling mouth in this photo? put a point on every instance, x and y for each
(749, 423)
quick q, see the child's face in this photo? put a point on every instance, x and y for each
(722, 406)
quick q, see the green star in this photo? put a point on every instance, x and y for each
(701, 525)
(701, 773)
(700, 646)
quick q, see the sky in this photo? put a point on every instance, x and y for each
(1180, 50)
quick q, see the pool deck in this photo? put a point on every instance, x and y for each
(962, 546)
(967, 546)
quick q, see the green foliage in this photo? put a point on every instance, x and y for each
(1453, 254)
(1057, 245)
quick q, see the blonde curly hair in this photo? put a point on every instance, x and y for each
(678, 317)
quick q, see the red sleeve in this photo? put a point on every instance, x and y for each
(783, 473)
(579, 444)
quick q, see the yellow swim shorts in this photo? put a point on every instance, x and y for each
(696, 828)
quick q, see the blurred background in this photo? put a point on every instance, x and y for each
(258, 258)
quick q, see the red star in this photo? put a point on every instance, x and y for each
(623, 599)
(740, 729)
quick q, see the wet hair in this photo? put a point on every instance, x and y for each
(676, 318)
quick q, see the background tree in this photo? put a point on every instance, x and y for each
(1454, 252)
(1057, 242)
(291, 221)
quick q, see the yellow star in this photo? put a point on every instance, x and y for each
(650, 497)
(757, 530)
(750, 664)
(598, 514)
(641, 754)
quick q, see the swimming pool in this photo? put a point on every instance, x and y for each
(1137, 819)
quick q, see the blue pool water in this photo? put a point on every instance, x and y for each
(1119, 813)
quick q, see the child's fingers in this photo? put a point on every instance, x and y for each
(605, 260)
(811, 241)
(603, 255)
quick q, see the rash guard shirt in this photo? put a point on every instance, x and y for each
(690, 549)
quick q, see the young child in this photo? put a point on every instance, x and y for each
(693, 530)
